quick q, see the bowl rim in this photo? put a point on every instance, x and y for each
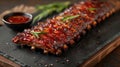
(13, 13)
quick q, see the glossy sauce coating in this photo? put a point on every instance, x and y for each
(61, 32)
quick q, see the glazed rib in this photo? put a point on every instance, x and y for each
(57, 34)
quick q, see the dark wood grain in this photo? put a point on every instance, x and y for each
(4, 62)
(95, 59)
(111, 60)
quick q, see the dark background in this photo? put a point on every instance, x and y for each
(8, 4)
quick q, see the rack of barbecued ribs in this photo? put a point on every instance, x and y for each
(57, 34)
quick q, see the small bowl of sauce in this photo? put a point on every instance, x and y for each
(17, 21)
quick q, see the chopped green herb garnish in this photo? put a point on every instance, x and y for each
(70, 17)
(36, 34)
(91, 9)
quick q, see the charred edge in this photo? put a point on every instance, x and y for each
(103, 17)
(83, 32)
(58, 52)
(94, 23)
(107, 14)
(32, 47)
(65, 47)
(45, 52)
(89, 27)
(72, 42)
(99, 20)
(113, 11)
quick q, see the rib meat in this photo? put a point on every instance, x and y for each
(56, 34)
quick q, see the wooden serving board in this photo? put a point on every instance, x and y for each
(89, 50)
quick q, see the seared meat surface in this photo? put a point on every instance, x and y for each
(57, 34)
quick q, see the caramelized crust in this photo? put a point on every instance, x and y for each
(55, 35)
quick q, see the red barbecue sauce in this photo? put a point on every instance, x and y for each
(18, 19)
